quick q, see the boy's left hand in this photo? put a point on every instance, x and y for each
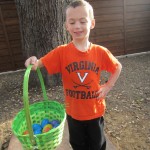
(102, 92)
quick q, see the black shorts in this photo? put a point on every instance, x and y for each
(87, 135)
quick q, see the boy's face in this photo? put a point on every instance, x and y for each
(79, 23)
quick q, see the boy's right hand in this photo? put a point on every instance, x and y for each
(32, 61)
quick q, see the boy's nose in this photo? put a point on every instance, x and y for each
(77, 25)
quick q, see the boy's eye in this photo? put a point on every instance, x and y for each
(72, 23)
(83, 22)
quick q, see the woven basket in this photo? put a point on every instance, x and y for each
(35, 113)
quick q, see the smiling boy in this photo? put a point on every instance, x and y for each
(80, 62)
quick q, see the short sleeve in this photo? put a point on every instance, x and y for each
(109, 62)
(51, 61)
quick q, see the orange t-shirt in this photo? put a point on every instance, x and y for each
(80, 75)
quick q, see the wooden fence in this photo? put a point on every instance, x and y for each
(123, 26)
(11, 57)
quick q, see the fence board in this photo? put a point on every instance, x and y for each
(133, 15)
(107, 3)
(3, 46)
(10, 14)
(110, 24)
(106, 31)
(14, 36)
(12, 29)
(110, 17)
(4, 52)
(138, 8)
(108, 10)
(9, 6)
(137, 2)
(105, 38)
(140, 45)
(138, 22)
(16, 50)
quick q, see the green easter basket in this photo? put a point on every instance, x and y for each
(35, 113)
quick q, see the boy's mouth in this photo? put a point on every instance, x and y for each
(78, 32)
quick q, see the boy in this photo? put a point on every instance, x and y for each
(80, 63)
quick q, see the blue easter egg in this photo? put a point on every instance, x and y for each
(36, 127)
(37, 132)
(44, 122)
(55, 123)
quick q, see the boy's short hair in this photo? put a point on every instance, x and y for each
(84, 3)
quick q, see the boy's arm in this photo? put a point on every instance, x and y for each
(33, 61)
(111, 82)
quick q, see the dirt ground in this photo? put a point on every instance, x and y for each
(127, 118)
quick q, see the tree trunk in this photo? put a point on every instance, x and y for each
(42, 28)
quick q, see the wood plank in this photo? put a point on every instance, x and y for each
(7, 59)
(109, 10)
(20, 65)
(136, 41)
(5, 67)
(114, 43)
(11, 21)
(2, 38)
(106, 3)
(14, 36)
(138, 50)
(109, 24)
(1, 25)
(98, 31)
(110, 17)
(138, 46)
(4, 59)
(15, 44)
(10, 6)
(4, 52)
(10, 14)
(137, 2)
(116, 49)
(134, 15)
(6, 0)
(141, 27)
(17, 50)
(138, 8)
(3, 45)
(13, 29)
(105, 38)
(139, 33)
(19, 57)
(138, 22)
(1, 31)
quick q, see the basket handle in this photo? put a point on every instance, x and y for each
(26, 100)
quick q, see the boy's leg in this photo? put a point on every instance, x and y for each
(77, 134)
(96, 134)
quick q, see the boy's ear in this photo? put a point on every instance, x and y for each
(92, 23)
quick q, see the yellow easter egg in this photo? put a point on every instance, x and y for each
(47, 128)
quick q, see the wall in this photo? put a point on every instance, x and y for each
(123, 26)
(11, 57)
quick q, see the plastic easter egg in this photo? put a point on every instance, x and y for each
(44, 122)
(47, 128)
(36, 127)
(37, 132)
(55, 123)
(25, 132)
